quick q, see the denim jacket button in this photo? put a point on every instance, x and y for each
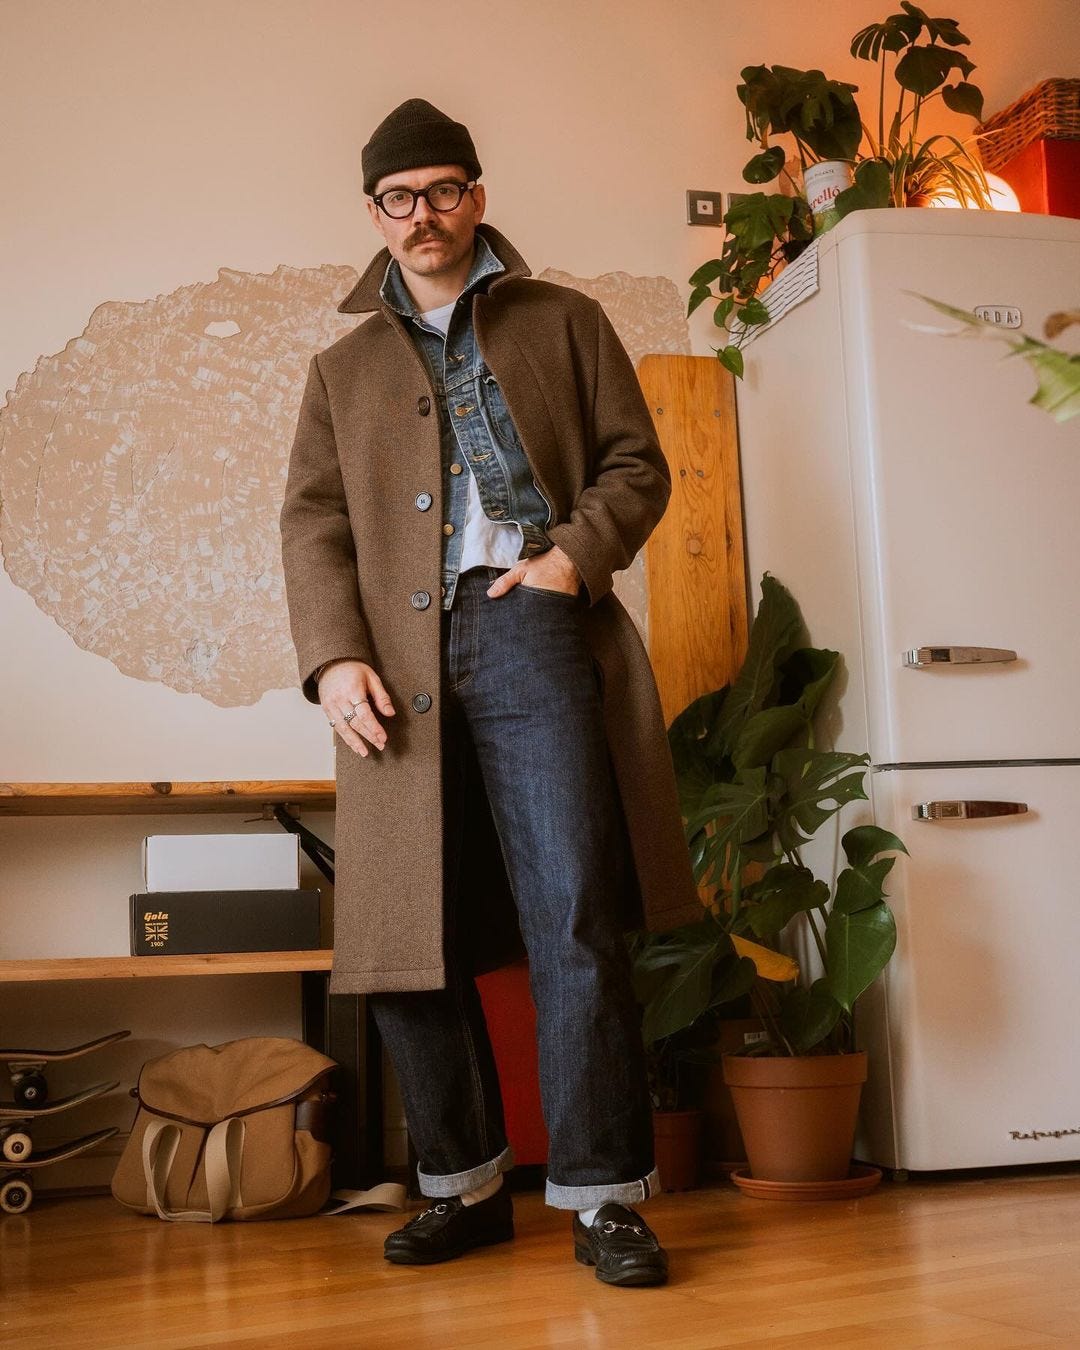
(421, 702)
(455, 468)
(448, 528)
(423, 405)
(420, 599)
(423, 500)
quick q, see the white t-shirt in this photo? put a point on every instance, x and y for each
(487, 542)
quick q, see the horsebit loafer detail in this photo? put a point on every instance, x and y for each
(621, 1245)
(448, 1227)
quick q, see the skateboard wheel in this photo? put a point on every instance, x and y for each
(30, 1089)
(16, 1145)
(15, 1195)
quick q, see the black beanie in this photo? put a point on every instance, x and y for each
(415, 134)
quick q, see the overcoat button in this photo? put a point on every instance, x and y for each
(420, 599)
(423, 500)
(423, 405)
(421, 702)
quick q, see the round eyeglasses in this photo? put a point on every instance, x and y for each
(445, 195)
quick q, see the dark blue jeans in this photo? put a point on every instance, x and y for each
(519, 680)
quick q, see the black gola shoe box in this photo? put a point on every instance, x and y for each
(188, 923)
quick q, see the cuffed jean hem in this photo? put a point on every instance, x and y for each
(456, 1183)
(588, 1197)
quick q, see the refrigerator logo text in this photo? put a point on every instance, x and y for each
(1005, 316)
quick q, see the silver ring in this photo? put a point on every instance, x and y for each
(359, 701)
(332, 721)
(349, 716)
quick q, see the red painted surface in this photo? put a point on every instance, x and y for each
(1045, 176)
(511, 1019)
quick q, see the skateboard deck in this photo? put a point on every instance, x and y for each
(13, 1111)
(39, 1058)
(61, 1152)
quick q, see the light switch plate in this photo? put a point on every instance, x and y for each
(703, 208)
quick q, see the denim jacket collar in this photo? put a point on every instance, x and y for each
(368, 295)
(394, 292)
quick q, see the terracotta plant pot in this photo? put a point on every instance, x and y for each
(797, 1113)
(677, 1139)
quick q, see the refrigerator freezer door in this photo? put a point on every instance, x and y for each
(964, 497)
(971, 1028)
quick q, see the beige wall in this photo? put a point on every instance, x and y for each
(148, 145)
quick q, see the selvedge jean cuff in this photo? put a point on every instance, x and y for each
(588, 1197)
(457, 1183)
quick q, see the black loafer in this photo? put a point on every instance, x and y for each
(448, 1227)
(621, 1245)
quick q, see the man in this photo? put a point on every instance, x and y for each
(536, 810)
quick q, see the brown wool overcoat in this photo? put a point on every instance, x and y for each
(355, 548)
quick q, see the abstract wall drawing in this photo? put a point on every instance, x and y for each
(142, 469)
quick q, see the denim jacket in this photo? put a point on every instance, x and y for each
(476, 430)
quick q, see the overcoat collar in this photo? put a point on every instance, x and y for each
(365, 295)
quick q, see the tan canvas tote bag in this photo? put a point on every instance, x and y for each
(231, 1131)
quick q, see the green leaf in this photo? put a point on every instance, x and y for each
(871, 189)
(706, 274)
(964, 98)
(784, 891)
(753, 311)
(922, 69)
(731, 359)
(858, 946)
(774, 633)
(861, 886)
(763, 168)
(687, 989)
(765, 733)
(697, 297)
(739, 810)
(864, 842)
(813, 778)
(696, 769)
(808, 1015)
(722, 310)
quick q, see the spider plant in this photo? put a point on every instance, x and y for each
(901, 170)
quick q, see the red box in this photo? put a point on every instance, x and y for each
(1045, 176)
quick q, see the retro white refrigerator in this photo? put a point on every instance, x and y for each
(926, 517)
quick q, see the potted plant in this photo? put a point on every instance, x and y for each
(752, 795)
(683, 979)
(765, 231)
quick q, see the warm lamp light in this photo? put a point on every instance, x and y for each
(1002, 197)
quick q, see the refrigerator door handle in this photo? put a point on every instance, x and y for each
(956, 656)
(961, 810)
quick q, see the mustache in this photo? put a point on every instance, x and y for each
(422, 239)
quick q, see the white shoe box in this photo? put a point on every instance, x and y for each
(221, 862)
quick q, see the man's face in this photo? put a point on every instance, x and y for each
(429, 241)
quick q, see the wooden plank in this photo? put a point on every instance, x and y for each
(694, 560)
(142, 967)
(82, 799)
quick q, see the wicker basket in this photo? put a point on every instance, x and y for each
(1050, 109)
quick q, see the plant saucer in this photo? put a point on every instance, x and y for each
(861, 1178)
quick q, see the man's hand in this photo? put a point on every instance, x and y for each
(345, 682)
(553, 569)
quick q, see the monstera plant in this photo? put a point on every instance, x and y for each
(753, 790)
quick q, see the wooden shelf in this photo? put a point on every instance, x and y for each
(141, 967)
(100, 799)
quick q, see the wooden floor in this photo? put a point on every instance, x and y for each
(985, 1261)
